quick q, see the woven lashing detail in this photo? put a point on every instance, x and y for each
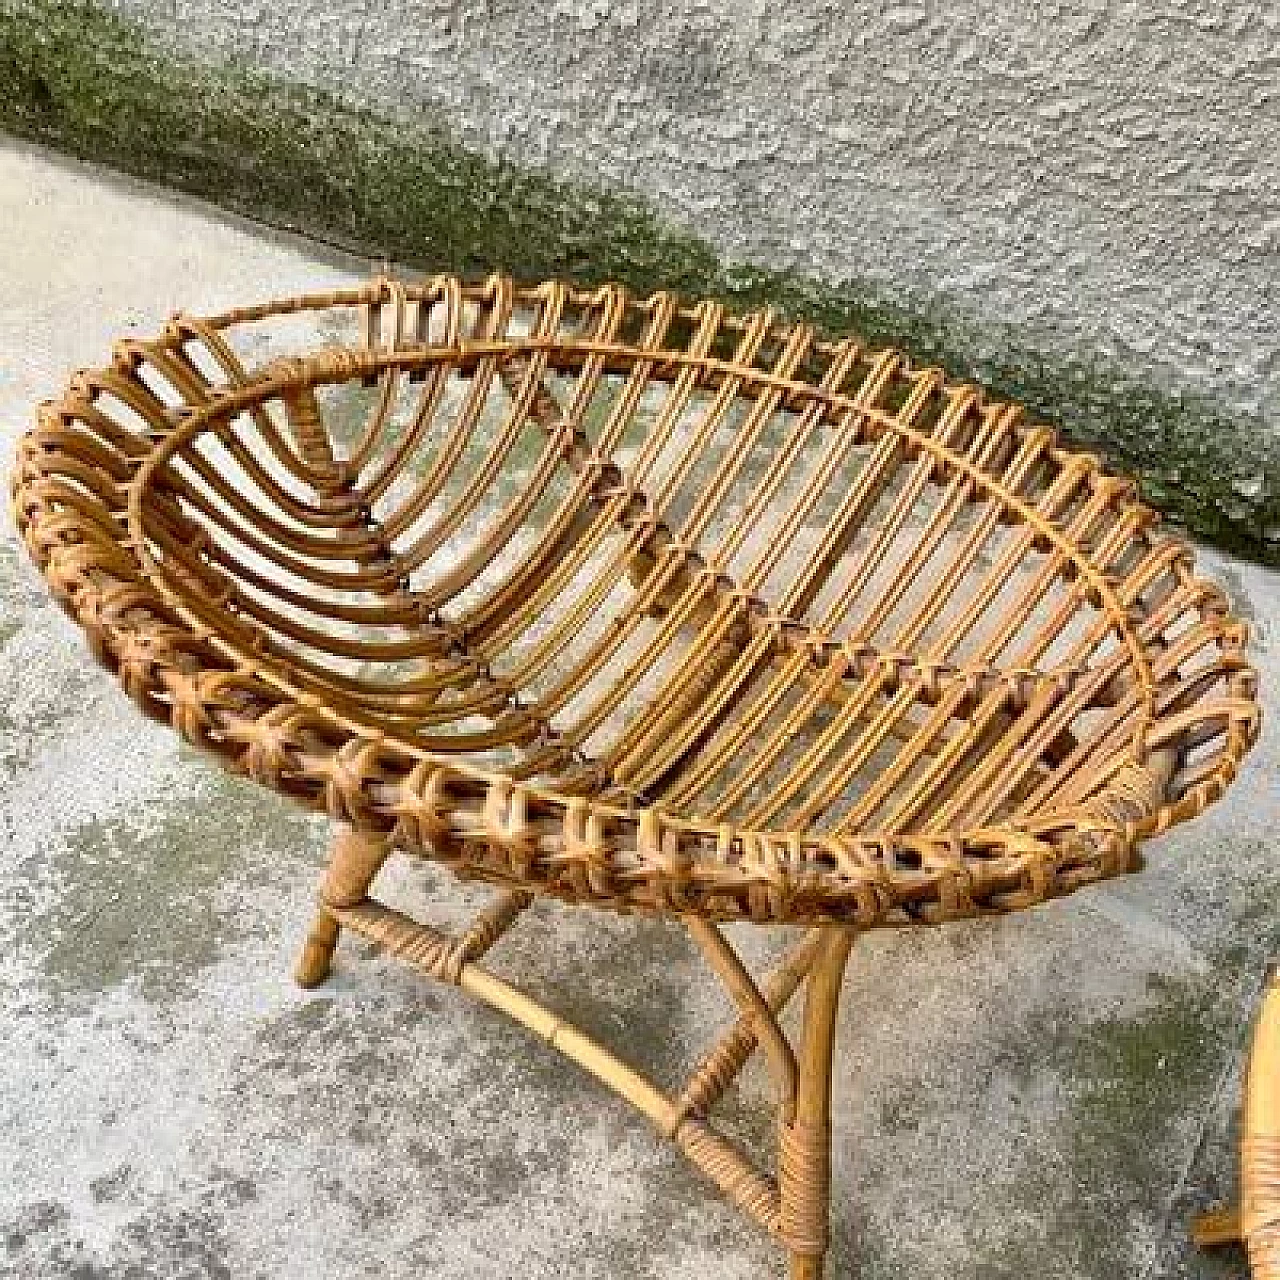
(1260, 1206)
(430, 952)
(804, 1175)
(735, 1175)
(713, 1075)
(638, 603)
(351, 872)
(312, 438)
(492, 923)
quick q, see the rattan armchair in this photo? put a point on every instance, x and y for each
(645, 606)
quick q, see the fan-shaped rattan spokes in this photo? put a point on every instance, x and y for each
(667, 607)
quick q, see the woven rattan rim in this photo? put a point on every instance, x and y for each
(93, 493)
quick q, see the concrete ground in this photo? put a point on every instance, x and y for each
(1049, 1094)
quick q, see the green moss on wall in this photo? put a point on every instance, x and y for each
(85, 81)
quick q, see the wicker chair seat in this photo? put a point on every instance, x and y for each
(644, 605)
(641, 604)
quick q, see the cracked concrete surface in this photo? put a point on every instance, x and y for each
(1047, 1094)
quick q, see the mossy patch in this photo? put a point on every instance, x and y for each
(141, 898)
(1144, 1097)
(87, 81)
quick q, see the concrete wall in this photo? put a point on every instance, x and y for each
(1076, 204)
(1105, 173)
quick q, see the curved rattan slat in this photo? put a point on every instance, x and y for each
(639, 603)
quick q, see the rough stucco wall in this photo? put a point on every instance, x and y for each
(294, 119)
(1104, 174)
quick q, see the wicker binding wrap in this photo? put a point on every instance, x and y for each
(1255, 1221)
(1260, 1140)
(644, 605)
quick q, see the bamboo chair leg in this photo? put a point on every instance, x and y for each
(794, 1208)
(356, 858)
(1255, 1220)
(804, 1153)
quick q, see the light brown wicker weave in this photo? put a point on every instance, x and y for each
(642, 605)
(1256, 1222)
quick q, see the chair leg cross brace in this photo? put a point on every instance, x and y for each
(793, 1205)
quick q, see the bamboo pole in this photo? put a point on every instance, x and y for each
(1260, 1145)
(805, 1147)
